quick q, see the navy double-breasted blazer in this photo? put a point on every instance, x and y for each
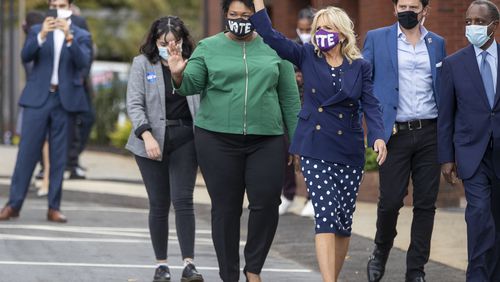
(329, 126)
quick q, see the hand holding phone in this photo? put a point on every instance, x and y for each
(51, 13)
(63, 25)
(49, 24)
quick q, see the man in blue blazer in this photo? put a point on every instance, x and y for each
(405, 59)
(60, 51)
(469, 136)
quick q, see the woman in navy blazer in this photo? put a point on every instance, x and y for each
(329, 137)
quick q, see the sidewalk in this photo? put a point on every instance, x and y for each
(110, 174)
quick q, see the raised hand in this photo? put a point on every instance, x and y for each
(259, 5)
(176, 62)
(63, 25)
(49, 25)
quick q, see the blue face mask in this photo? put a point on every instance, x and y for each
(477, 34)
(163, 52)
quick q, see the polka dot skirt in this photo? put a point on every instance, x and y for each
(333, 189)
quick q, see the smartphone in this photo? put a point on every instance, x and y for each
(51, 13)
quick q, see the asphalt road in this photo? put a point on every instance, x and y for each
(110, 242)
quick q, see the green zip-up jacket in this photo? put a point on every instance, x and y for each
(246, 87)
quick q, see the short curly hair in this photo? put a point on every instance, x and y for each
(227, 3)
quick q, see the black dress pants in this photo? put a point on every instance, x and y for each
(231, 164)
(411, 153)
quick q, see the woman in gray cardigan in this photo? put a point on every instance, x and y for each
(162, 142)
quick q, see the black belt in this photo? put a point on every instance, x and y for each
(414, 124)
(178, 122)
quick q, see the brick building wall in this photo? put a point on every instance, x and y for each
(446, 16)
(214, 13)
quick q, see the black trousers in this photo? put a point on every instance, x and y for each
(231, 164)
(172, 179)
(410, 153)
(80, 128)
(290, 185)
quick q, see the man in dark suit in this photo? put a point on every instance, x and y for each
(469, 136)
(61, 52)
(405, 59)
(81, 122)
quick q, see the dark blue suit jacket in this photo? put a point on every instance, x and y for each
(381, 50)
(329, 126)
(466, 121)
(73, 62)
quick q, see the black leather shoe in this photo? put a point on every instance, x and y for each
(190, 274)
(77, 173)
(8, 212)
(56, 216)
(162, 274)
(416, 279)
(376, 265)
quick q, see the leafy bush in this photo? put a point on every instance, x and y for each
(108, 102)
(371, 160)
(119, 137)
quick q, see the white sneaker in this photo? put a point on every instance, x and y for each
(285, 205)
(42, 192)
(308, 209)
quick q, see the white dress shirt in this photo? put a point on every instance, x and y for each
(59, 39)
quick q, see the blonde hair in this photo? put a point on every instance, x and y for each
(338, 18)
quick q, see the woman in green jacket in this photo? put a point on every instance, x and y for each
(248, 92)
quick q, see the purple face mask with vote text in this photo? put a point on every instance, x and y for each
(326, 40)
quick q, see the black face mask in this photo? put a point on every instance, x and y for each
(239, 27)
(408, 19)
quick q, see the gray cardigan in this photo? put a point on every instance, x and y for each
(146, 104)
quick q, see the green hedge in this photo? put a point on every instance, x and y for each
(119, 137)
(371, 160)
(109, 101)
